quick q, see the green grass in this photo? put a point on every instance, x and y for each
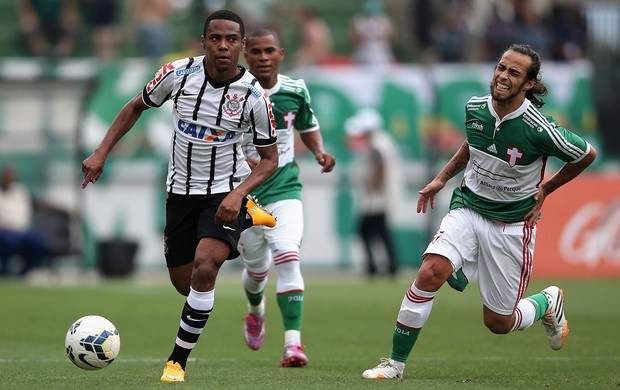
(347, 328)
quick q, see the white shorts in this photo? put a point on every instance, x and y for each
(288, 231)
(500, 255)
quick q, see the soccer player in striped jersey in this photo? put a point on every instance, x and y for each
(214, 102)
(490, 230)
(281, 194)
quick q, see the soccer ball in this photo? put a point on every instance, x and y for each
(92, 342)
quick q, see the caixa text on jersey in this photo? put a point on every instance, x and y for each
(205, 133)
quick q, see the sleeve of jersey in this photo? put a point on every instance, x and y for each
(562, 143)
(262, 122)
(305, 120)
(158, 90)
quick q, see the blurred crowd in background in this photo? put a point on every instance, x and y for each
(316, 32)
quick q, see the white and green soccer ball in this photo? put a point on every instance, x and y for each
(92, 342)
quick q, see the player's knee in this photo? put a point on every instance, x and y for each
(181, 288)
(434, 272)
(497, 326)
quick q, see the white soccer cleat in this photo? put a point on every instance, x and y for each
(387, 369)
(554, 320)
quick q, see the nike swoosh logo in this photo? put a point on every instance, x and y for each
(82, 358)
(229, 228)
(189, 317)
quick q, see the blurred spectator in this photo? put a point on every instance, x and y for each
(423, 16)
(101, 17)
(151, 19)
(376, 181)
(532, 28)
(500, 31)
(570, 39)
(372, 35)
(49, 26)
(451, 36)
(316, 40)
(17, 238)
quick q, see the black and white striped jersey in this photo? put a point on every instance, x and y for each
(209, 119)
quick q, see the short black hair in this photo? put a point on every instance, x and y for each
(224, 15)
(263, 32)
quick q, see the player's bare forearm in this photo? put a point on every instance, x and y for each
(569, 171)
(314, 142)
(92, 167)
(266, 166)
(456, 164)
(124, 121)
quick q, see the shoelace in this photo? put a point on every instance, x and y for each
(385, 362)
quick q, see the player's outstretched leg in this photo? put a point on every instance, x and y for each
(260, 216)
(554, 320)
(387, 369)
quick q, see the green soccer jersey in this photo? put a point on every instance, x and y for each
(291, 108)
(508, 157)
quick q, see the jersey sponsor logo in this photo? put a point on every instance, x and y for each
(477, 126)
(513, 155)
(183, 72)
(204, 133)
(163, 71)
(252, 89)
(476, 106)
(492, 149)
(233, 106)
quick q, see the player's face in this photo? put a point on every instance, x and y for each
(264, 55)
(223, 44)
(509, 79)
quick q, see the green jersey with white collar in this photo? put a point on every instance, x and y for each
(290, 101)
(508, 158)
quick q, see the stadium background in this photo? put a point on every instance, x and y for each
(53, 113)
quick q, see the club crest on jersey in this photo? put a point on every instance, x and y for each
(159, 76)
(513, 155)
(233, 104)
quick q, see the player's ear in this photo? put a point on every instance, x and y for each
(529, 85)
(202, 42)
(243, 42)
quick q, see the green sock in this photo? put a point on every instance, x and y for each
(254, 299)
(403, 342)
(540, 303)
(292, 307)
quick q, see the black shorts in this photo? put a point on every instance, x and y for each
(192, 217)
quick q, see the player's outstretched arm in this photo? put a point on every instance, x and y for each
(124, 121)
(567, 173)
(314, 142)
(456, 164)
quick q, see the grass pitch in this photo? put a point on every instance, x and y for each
(348, 324)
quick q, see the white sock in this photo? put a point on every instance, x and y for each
(525, 313)
(292, 337)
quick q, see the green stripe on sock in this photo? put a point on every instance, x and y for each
(403, 342)
(540, 303)
(254, 299)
